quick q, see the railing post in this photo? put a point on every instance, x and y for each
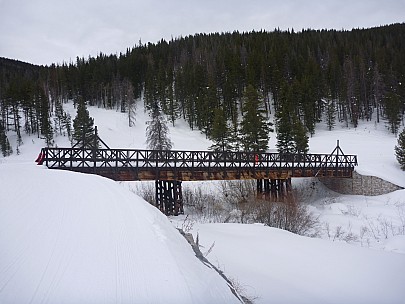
(46, 152)
(94, 149)
(337, 158)
(239, 158)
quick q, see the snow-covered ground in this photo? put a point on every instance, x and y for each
(276, 266)
(69, 238)
(75, 238)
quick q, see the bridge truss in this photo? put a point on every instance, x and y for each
(273, 171)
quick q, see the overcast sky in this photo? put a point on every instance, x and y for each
(53, 31)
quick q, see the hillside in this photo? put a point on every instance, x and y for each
(84, 238)
(298, 78)
(73, 238)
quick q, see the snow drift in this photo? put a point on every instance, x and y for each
(74, 238)
(277, 266)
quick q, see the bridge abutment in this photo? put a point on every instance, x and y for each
(360, 185)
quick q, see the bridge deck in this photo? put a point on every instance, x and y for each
(131, 165)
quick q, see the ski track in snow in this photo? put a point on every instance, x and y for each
(74, 238)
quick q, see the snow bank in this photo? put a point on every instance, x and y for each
(276, 266)
(75, 238)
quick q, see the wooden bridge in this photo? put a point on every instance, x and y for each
(273, 171)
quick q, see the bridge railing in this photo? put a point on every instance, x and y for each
(65, 158)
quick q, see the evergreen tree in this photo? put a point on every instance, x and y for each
(220, 132)
(83, 126)
(377, 90)
(284, 121)
(129, 101)
(45, 122)
(17, 125)
(5, 146)
(305, 92)
(58, 120)
(330, 114)
(292, 135)
(173, 108)
(67, 124)
(393, 107)
(285, 138)
(157, 132)
(254, 128)
(47, 131)
(300, 138)
(400, 149)
(193, 75)
(234, 138)
(62, 120)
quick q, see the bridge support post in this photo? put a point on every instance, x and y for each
(280, 188)
(274, 189)
(169, 198)
(267, 186)
(259, 186)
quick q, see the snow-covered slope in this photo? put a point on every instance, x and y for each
(276, 266)
(74, 238)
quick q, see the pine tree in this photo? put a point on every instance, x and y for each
(47, 131)
(220, 132)
(5, 146)
(83, 126)
(62, 120)
(67, 124)
(157, 132)
(254, 128)
(300, 138)
(45, 122)
(400, 149)
(190, 75)
(59, 113)
(330, 114)
(284, 121)
(285, 139)
(393, 107)
(129, 101)
(377, 90)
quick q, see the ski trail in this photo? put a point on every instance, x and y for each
(76, 238)
(53, 258)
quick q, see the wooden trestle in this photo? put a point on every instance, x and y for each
(169, 198)
(274, 189)
(273, 171)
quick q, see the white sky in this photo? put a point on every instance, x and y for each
(53, 31)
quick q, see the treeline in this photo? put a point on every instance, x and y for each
(306, 76)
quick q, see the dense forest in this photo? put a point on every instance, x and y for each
(220, 82)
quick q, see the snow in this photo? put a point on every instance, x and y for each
(73, 238)
(372, 143)
(114, 130)
(282, 267)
